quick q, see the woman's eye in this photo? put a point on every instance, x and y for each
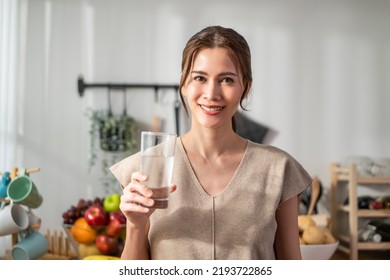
(199, 79)
(227, 80)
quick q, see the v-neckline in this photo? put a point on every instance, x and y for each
(196, 180)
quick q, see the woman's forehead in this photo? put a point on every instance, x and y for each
(213, 58)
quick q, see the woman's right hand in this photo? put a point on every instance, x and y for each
(136, 199)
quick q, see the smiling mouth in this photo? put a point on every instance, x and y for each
(212, 108)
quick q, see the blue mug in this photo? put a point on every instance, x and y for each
(5, 180)
(32, 245)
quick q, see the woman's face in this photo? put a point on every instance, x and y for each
(213, 88)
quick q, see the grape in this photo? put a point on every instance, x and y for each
(98, 201)
(81, 203)
(71, 213)
(78, 210)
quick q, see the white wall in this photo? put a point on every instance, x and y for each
(321, 78)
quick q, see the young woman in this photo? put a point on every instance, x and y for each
(231, 198)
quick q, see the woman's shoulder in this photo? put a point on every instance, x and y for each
(279, 163)
(266, 150)
(269, 155)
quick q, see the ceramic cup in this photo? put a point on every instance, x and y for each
(13, 218)
(32, 245)
(5, 179)
(22, 190)
(33, 220)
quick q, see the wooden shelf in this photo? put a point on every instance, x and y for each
(349, 176)
(366, 180)
(365, 245)
(367, 213)
(374, 246)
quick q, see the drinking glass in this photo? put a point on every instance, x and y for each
(157, 158)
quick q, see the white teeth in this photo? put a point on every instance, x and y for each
(212, 109)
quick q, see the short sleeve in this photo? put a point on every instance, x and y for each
(295, 181)
(123, 169)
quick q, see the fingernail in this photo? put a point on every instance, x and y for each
(150, 202)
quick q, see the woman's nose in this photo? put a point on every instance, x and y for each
(212, 91)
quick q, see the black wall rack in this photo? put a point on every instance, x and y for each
(82, 86)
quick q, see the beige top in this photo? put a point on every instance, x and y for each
(239, 223)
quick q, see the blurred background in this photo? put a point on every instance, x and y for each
(321, 73)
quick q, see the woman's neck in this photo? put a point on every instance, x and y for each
(211, 143)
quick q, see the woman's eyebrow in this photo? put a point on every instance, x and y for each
(226, 73)
(198, 72)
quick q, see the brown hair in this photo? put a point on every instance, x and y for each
(218, 37)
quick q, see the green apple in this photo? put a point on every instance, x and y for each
(111, 202)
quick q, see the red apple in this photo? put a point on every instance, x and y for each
(114, 228)
(96, 216)
(116, 223)
(118, 215)
(107, 245)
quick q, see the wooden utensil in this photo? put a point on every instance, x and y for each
(315, 194)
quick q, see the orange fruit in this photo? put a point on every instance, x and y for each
(82, 232)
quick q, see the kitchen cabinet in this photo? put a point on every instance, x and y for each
(345, 183)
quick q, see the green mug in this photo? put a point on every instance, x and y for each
(22, 190)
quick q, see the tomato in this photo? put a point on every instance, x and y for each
(82, 232)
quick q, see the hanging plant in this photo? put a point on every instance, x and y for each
(115, 132)
(110, 133)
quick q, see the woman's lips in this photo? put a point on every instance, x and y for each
(211, 109)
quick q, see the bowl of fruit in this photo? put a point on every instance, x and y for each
(96, 227)
(316, 240)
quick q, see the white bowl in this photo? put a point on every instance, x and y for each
(318, 252)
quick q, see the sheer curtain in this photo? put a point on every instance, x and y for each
(8, 78)
(9, 53)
